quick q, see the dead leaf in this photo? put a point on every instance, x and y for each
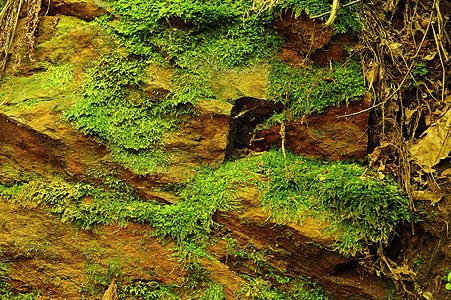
(430, 56)
(372, 75)
(111, 292)
(408, 113)
(435, 143)
(427, 195)
(446, 174)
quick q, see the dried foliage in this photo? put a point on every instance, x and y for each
(405, 48)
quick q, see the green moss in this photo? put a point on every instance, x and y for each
(5, 286)
(258, 288)
(24, 92)
(310, 89)
(195, 34)
(360, 208)
(114, 108)
(148, 291)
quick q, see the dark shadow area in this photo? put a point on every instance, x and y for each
(246, 115)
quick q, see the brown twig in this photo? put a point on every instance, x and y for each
(407, 73)
(340, 7)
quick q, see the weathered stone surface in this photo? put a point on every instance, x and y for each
(202, 139)
(37, 140)
(322, 135)
(82, 9)
(60, 40)
(302, 249)
(233, 84)
(302, 33)
(36, 240)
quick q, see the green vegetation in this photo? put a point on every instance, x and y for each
(448, 282)
(114, 108)
(196, 39)
(5, 286)
(267, 281)
(311, 90)
(217, 33)
(24, 92)
(347, 20)
(259, 289)
(360, 208)
(419, 73)
(196, 35)
(149, 291)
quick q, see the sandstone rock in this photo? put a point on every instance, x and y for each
(322, 135)
(202, 139)
(234, 84)
(302, 36)
(82, 9)
(302, 248)
(61, 39)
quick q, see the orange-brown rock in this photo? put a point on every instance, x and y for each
(82, 9)
(327, 135)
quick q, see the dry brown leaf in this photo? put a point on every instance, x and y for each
(372, 74)
(427, 196)
(435, 144)
(430, 56)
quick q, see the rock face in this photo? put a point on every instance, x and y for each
(82, 9)
(300, 248)
(327, 135)
(35, 138)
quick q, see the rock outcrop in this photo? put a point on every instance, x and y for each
(35, 138)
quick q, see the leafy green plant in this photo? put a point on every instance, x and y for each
(418, 73)
(194, 34)
(448, 283)
(260, 289)
(418, 262)
(360, 208)
(59, 77)
(150, 290)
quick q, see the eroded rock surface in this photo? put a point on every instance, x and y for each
(37, 139)
(82, 9)
(327, 135)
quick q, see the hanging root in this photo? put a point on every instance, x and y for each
(333, 13)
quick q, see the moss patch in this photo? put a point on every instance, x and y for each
(114, 108)
(310, 89)
(360, 208)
